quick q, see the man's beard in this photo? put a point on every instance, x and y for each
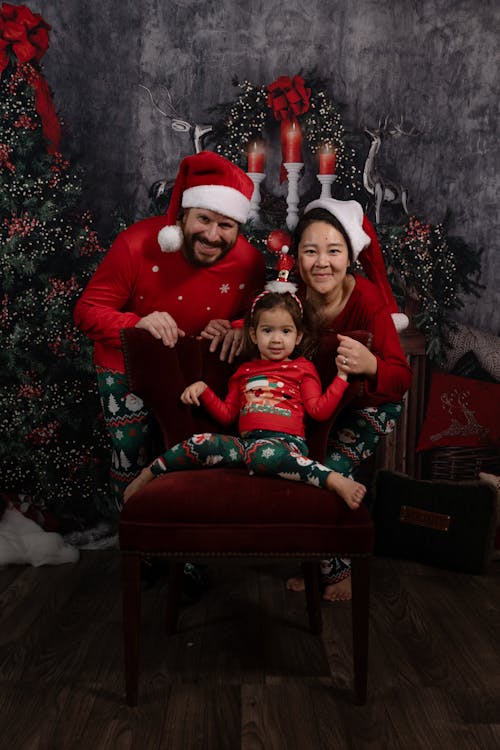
(189, 243)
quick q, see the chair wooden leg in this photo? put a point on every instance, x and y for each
(175, 570)
(360, 625)
(131, 577)
(310, 571)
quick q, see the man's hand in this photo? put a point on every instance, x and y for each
(191, 394)
(162, 326)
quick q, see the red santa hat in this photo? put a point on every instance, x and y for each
(206, 180)
(365, 245)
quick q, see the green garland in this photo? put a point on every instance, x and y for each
(429, 271)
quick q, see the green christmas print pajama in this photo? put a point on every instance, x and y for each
(354, 439)
(261, 451)
(130, 425)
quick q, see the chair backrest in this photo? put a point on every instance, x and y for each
(159, 374)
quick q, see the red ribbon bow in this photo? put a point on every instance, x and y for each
(25, 35)
(287, 97)
(22, 32)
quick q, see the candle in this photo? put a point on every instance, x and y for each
(256, 154)
(293, 144)
(327, 157)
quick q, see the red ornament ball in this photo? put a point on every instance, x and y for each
(276, 239)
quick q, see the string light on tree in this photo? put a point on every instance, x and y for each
(49, 407)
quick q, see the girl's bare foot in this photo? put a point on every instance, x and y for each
(338, 592)
(138, 483)
(296, 584)
(349, 490)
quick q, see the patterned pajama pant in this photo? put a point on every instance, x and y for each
(354, 438)
(261, 451)
(130, 425)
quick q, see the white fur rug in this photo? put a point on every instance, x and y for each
(23, 541)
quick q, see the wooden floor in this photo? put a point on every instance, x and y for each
(244, 672)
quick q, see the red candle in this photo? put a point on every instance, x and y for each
(256, 154)
(293, 144)
(327, 157)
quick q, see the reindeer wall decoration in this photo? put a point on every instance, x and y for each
(196, 131)
(382, 188)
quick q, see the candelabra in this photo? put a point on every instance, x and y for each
(253, 214)
(292, 199)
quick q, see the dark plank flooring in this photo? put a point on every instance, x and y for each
(243, 672)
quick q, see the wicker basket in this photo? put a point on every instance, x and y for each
(462, 464)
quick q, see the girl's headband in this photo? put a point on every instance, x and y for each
(270, 291)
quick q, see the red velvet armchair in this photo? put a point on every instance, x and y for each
(226, 513)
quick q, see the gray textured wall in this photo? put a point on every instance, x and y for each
(433, 61)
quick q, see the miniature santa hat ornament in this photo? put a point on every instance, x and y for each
(365, 245)
(284, 265)
(206, 180)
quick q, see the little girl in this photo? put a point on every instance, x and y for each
(271, 394)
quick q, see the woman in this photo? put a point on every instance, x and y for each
(327, 241)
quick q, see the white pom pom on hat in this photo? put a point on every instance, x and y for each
(206, 180)
(401, 321)
(170, 238)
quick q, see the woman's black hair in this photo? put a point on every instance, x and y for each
(319, 214)
(305, 322)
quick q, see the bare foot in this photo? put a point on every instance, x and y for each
(296, 584)
(338, 592)
(138, 483)
(349, 490)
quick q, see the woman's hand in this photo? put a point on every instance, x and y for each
(221, 333)
(354, 358)
(216, 328)
(191, 394)
(162, 326)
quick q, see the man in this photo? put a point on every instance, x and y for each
(191, 277)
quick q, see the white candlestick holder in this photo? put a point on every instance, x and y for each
(326, 181)
(292, 199)
(253, 213)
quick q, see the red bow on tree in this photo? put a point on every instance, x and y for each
(22, 32)
(25, 36)
(287, 97)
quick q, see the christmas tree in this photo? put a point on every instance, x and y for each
(53, 445)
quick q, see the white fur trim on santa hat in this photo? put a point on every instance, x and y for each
(219, 198)
(350, 215)
(401, 321)
(281, 286)
(170, 238)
